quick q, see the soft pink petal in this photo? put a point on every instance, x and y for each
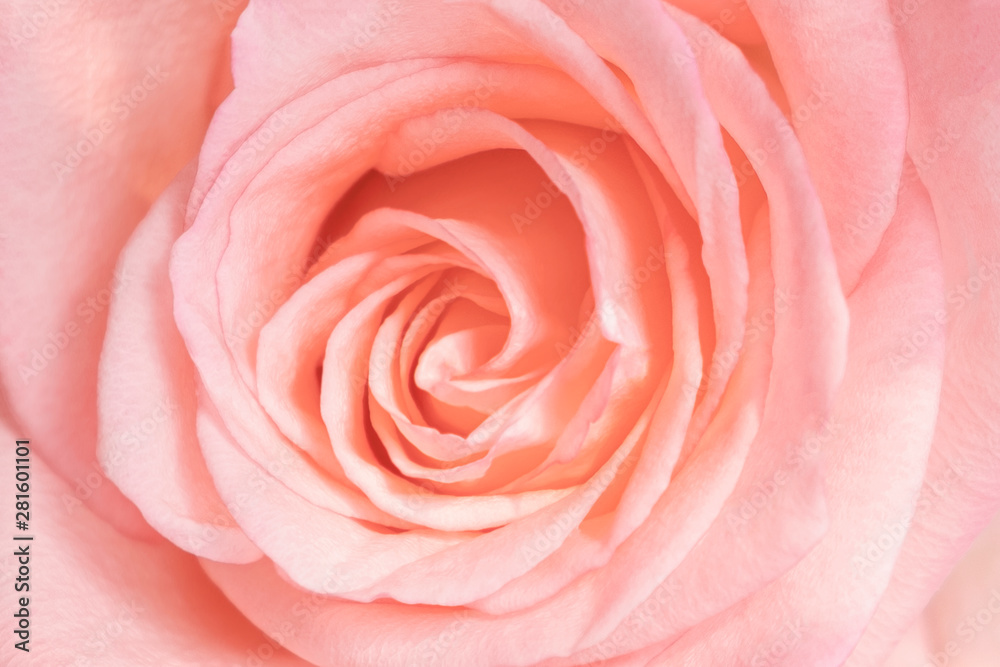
(883, 419)
(147, 398)
(954, 142)
(961, 625)
(853, 135)
(140, 82)
(115, 601)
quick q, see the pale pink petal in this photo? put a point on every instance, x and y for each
(853, 135)
(124, 93)
(959, 628)
(147, 398)
(953, 143)
(815, 613)
(115, 601)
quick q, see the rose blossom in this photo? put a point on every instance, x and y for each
(501, 333)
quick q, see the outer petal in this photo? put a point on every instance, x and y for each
(955, 142)
(124, 92)
(99, 598)
(961, 625)
(147, 398)
(883, 421)
(853, 135)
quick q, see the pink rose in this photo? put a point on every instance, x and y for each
(500, 333)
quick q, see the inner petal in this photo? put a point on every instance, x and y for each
(472, 203)
(468, 337)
